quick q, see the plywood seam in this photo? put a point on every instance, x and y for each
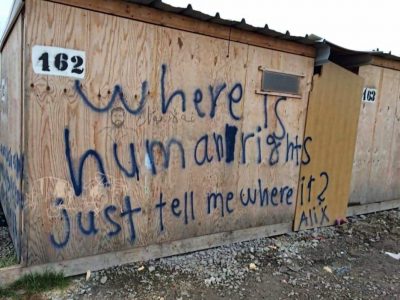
(313, 77)
(374, 128)
(242, 108)
(25, 97)
(21, 226)
(393, 126)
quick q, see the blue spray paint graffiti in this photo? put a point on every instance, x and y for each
(14, 161)
(309, 216)
(77, 179)
(116, 93)
(11, 196)
(91, 228)
(233, 96)
(260, 144)
(176, 208)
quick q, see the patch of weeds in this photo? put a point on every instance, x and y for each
(34, 283)
(8, 261)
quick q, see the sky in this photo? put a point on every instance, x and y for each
(5, 7)
(355, 24)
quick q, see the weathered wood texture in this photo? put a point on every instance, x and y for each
(385, 63)
(245, 134)
(332, 119)
(181, 22)
(102, 261)
(11, 161)
(376, 169)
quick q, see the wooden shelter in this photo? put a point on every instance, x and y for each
(133, 129)
(376, 165)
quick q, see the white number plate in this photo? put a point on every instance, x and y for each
(58, 61)
(369, 95)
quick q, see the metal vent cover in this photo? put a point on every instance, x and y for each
(277, 82)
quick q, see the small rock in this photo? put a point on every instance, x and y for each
(88, 273)
(342, 271)
(141, 268)
(252, 266)
(283, 269)
(152, 269)
(328, 269)
(103, 280)
(295, 268)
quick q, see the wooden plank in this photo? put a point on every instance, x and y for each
(362, 162)
(98, 262)
(385, 63)
(11, 156)
(205, 137)
(372, 207)
(332, 118)
(176, 21)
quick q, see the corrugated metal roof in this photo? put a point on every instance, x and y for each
(328, 51)
(190, 12)
(344, 51)
(311, 40)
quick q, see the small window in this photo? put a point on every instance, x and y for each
(277, 82)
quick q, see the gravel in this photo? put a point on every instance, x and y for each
(289, 266)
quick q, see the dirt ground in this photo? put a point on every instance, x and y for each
(343, 262)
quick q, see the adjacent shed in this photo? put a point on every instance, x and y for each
(376, 165)
(376, 168)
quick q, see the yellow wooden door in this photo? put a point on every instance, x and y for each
(327, 157)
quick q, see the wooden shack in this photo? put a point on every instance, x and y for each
(376, 165)
(133, 129)
(376, 169)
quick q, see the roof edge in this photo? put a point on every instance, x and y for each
(187, 19)
(12, 18)
(349, 58)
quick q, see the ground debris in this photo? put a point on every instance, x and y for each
(289, 266)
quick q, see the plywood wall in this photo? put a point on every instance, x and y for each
(376, 168)
(223, 153)
(11, 157)
(325, 175)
